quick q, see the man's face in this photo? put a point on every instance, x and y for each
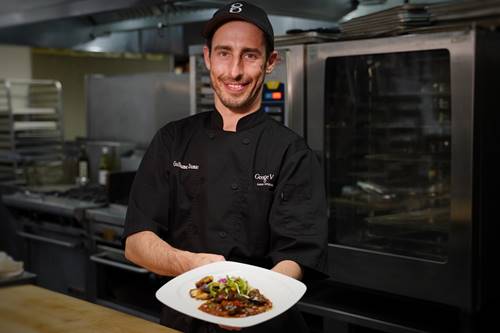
(237, 65)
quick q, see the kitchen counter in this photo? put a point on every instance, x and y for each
(31, 309)
(112, 214)
(51, 204)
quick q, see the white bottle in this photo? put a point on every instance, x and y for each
(83, 163)
(104, 166)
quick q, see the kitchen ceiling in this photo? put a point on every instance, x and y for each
(142, 26)
(32, 11)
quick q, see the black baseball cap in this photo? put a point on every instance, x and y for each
(241, 11)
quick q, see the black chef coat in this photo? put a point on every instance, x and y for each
(254, 196)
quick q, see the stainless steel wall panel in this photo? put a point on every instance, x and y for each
(132, 108)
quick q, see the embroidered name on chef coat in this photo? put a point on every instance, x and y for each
(187, 166)
(264, 179)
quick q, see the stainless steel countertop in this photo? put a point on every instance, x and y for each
(113, 214)
(46, 203)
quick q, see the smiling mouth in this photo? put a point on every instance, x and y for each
(235, 87)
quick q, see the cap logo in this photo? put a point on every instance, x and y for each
(236, 8)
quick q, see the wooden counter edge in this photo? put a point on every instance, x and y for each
(33, 309)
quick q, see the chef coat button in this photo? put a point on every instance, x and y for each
(234, 186)
(246, 141)
(222, 234)
(211, 135)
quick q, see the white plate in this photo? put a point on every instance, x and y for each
(280, 289)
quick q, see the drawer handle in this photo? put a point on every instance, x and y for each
(48, 240)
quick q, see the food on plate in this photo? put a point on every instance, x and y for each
(229, 297)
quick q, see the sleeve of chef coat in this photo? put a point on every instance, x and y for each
(298, 220)
(148, 206)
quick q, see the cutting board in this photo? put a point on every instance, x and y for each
(31, 309)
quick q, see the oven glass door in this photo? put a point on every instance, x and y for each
(388, 152)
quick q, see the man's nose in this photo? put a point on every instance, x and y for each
(236, 68)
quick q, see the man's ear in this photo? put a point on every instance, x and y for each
(206, 56)
(272, 61)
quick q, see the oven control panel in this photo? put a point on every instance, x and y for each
(273, 99)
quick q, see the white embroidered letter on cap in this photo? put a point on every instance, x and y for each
(236, 8)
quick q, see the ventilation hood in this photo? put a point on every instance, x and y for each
(143, 26)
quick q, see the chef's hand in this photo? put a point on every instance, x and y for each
(200, 259)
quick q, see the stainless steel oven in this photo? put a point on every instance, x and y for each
(404, 126)
(56, 254)
(113, 280)
(53, 239)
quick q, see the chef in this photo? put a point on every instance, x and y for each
(232, 183)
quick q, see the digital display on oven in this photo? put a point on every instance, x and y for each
(273, 99)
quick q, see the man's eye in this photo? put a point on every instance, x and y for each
(251, 56)
(223, 54)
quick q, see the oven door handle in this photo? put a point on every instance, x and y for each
(98, 258)
(27, 235)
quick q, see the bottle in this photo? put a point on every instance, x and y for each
(104, 166)
(83, 163)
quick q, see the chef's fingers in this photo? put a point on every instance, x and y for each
(201, 259)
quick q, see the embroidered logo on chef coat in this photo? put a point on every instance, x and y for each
(264, 179)
(187, 166)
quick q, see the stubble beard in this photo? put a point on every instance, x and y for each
(237, 104)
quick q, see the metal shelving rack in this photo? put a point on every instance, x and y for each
(31, 131)
(201, 92)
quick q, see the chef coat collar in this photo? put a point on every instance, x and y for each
(248, 121)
